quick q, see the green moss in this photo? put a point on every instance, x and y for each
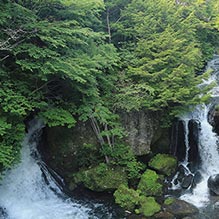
(126, 198)
(169, 201)
(164, 163)
(150, 185)
(148, 206)
(101, 178)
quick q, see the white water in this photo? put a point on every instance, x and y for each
(208, 144)
(24, 194)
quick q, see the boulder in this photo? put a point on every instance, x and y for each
(197, 178)
(101, 178)
(151, 184)
(148, 206)
(164, 163)
(127, 198)
(213, 184)
(180, 208)
(164, 215)
(187, 181)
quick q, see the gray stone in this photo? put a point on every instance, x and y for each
(142, 128)
(187, 181)
(180, 209)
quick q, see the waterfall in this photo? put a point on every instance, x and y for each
(28, 191)
(208, 143)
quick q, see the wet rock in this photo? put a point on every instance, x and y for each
(197, 178)
(213, 184)
(3, 213)
(178, 147)
(187, 181)
(180, 209)
(194, 129)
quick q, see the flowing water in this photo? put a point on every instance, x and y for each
(207, 142)
(28, 191)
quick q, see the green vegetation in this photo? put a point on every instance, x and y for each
(164, 163)
(67, 61)
(149, 206)
(151, 184)
(127, 198)
(101, 178)
(130, 200)
(169, 201)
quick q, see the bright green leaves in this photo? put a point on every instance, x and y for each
(57, 117)
(166, 50)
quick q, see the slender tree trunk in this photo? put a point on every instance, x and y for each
(108, 24)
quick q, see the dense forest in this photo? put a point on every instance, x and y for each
(66, 61)
(79, 60)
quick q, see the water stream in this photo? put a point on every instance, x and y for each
(207, 143)
(28, 191)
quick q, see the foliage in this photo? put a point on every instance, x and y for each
(164, 45)
(131, 200)
(150, 184)
(53, 62)
(68, 60)
(101, 178)
(122, 155)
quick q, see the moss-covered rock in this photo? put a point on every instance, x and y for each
(164, 163)
(101, 178)
(148, 206)
(151, 184)
(127, 198)
(169, 201)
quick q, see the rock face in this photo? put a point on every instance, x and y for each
(178, 146)
(180, 209)
(61, 148)
(143, 129)
(64, 150)
(213, 184)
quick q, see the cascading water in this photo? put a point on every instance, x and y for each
(28, 191)
(207, 142)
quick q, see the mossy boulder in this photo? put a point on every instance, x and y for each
(127, 198)
(148, 206)
(151, 184)
(101, 178)
(164, 163)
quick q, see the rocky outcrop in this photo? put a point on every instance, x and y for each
(143, 130)
(66, 150)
